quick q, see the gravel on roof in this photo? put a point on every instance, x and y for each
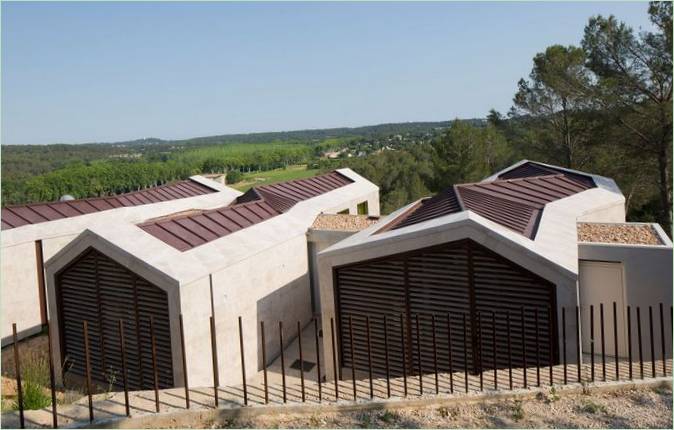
(343, 222)
(634, 234)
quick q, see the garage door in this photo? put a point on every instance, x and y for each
(99, 290)
(471, 295)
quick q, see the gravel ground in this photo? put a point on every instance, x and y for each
(633, 408)
(343, 222)
(618, 233)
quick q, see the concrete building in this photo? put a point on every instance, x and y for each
(505, 255)
(248, 257)
(33, 233)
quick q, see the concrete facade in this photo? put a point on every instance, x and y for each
(259, 273)
(20, 291)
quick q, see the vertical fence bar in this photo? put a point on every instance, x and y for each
(510, 351)
(479, 349)
(155, 373)
(449, 354)
(538, 349)
(493, 350)
(17, 369)
(369, 354)
(243, 363)
(264, 363)
(551, 362)
(353, 363)
(579, 370)
(184, 359)
(564, 344)
(524, 348)
(650, 331)
(87, 367)
(603, 343)
(122, 350)
(333, 344)
(214, 359)
(318, 361)
(629, 340)
(465, 353)
(386, 359)
(283, 361)
(299, 345)
(662, 339)
(52, 383)
(641, 357)
(592, 342)
(615, 341)
(404, 351)
(419, 369)
(435, 355)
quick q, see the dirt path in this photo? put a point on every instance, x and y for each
(634, 408)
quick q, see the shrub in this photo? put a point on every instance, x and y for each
(34, 379)
(233, 176)
(591, 407)
(518, 410)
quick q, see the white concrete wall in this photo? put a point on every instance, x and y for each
(647, 275)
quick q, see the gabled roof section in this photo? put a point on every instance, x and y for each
(187, 231)
(530, 169)
(513, 203)
(20, 215)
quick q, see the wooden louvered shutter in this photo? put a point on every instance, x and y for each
(100, 290)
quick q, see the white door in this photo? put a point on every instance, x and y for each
(602, 283)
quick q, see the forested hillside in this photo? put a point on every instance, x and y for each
(603, 106)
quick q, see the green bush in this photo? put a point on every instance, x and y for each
(34, 379)
(233, 176)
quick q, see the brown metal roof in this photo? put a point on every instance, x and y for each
(16, 216)
(531, 169)
(513, 203)
(187, 231)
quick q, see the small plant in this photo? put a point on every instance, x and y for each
(518, 411)
(586, 389)
(111, 377)
(35, 377)
(444, 412)
(365, 421)
(388, 417)
(591, 407)
(316, 421)
(552, 396)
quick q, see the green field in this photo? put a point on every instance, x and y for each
(273, 176)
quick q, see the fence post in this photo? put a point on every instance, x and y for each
(214, 357)
(510, 351)
(353, 363)
(524, 348)
(551, 361)
(154, 364)
(662, 338)
(564, 343)
(493, 351)
(629, 340)
(87, 364)
(479, 348)
(435, 355)
(419, 368)
(449, 354)
(615, 342)
(264, 363)
(122, 350)
(369, 354)
(465, 352)
(333, 344)
(650, 330)
(17, 368)
(404, 351)
(243, 363)
(603, 343)
(538, 349)
(592, 342)
(299, 344)
(386, 358)
(52, 383)
(641, 357)
(184, 358)
(318, 361)
(283, 361)
(578, 364)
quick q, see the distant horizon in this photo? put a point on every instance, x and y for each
(89, 72)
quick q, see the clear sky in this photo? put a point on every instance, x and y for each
(84, 72)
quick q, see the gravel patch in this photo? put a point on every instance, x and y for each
(343, 222)
(630, 408)
(636, 234)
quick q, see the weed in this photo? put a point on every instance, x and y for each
(316, 421)
(365, 421)
(230, 423)
(518, 410)
(591, 407)
(552, 396)
(586, 389)
(444, 412)
(662, 389)
(388, 417)
(35, 377)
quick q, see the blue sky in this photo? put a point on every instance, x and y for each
(84, 72)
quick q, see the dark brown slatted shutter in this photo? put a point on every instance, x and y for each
(100, 290)
(459, 278)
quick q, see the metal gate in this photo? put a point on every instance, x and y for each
(459, 292)
(101, 291)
